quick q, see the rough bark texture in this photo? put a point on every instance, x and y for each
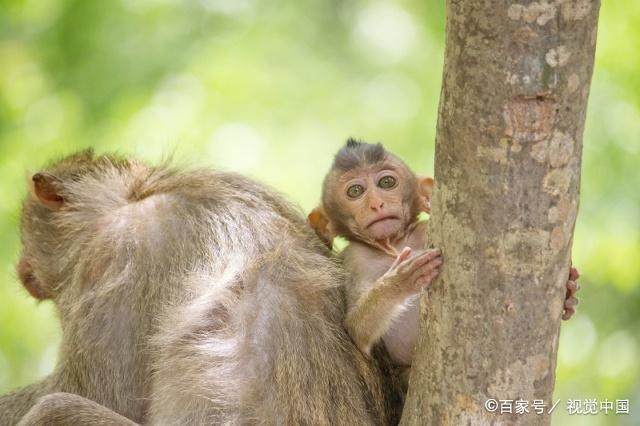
(508, 149)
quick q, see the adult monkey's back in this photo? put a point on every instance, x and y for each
(207, 282)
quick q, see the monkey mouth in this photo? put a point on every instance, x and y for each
(382, 219)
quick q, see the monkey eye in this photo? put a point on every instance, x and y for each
(354, 191)
(387, 182)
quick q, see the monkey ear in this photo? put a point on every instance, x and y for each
(425, 191)
(319, 221)
(47, 188)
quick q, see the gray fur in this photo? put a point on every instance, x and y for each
(190, 297)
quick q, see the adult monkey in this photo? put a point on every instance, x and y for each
(207, 282)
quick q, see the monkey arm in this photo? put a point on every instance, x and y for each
(373, 313)
(15, 404)
(69, 409)
(377, 305)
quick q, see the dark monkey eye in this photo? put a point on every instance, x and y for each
(354, 191)
(387, 182)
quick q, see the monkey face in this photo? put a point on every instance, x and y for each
(377, 200)
(369, 195)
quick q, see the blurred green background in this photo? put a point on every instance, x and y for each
(272, 89)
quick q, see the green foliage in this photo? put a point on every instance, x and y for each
(272, 89)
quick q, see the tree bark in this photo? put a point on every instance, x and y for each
(507, 170)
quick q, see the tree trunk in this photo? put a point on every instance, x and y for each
(507, 171)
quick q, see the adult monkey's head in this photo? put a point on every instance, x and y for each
(66, 201)
(369, 195)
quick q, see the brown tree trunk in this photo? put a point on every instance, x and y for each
(507, 170)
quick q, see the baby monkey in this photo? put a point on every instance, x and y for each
(373, 199)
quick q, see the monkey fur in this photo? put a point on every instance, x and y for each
(186, 297)
(373, 199)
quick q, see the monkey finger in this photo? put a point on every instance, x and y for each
(435, 251)
(420, 283)
(405, 267)
(408, 265)
(433, 264)
(568, 313)
(429, 255)
(436, 261)
(572, 288)
(427, 279)
(421, 259)
(404, 254)
(407, 270)
(571, 303)
(426, 268)
(432, 276)
(425, 273)
(573, 274)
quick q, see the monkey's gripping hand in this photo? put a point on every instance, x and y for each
(408, 274)
(570, 301)
(371, 316)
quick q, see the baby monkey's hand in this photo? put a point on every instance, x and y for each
(411, 273)
(571, 300)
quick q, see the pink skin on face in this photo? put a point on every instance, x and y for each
(385, 227)
(377, 209)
